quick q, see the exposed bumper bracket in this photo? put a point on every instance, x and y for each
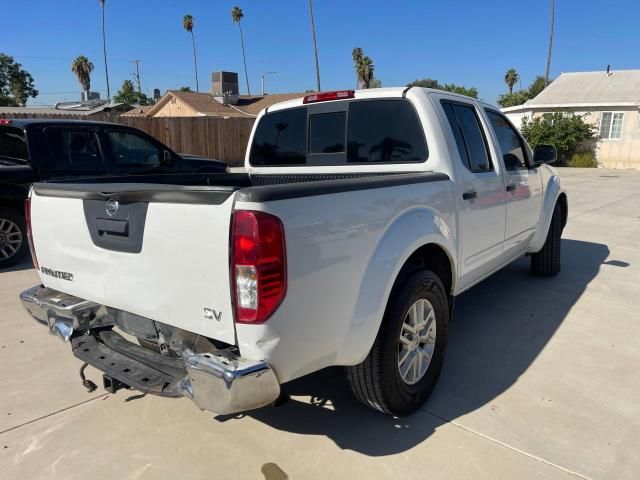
(219, 381)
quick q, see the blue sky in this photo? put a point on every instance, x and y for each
(468, 42)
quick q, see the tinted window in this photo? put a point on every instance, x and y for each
(512, 150)
(131, 150)
(281, 139)
(326, 132)
(12, 143)
(470, 140)
(74, 150)
(384, 131)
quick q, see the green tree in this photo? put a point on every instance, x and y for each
(129, 95)
(511, 78)
(375, 83)
(513, 99)
(521, 96)
(357, 54)
(188, 24)
(82, 68)
(449, 87)
(237, 15)
(568, 132)
(185, 89)
(365, 71)
(537, 86)
(104, 49)
(16, 84)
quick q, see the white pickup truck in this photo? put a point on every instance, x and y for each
(361, 216)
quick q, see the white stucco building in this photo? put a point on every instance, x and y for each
(609, 100)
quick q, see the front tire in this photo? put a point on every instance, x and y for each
(546, 262)
(13, 238)
(404, 363)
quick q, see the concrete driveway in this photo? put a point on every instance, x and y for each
(542, 380)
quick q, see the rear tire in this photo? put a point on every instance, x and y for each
(546, 262)
(13, 238)
(382, 381)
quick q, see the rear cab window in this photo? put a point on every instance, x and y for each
(13, 145)
(377, 131)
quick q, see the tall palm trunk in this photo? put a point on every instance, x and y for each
(244, 60)
(195, 61)
(315, 45)
(553, 12)
(104, 49)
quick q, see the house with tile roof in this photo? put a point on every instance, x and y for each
(610, 100)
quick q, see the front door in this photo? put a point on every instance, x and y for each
(523, 186)
(480, 194)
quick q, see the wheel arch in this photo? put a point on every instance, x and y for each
(425, 241)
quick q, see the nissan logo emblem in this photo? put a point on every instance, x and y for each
(112, 207)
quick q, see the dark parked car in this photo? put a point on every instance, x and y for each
(41, 150)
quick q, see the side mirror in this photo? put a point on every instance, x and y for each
(545, 154)
(166, 157)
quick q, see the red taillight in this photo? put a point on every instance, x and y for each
(326, 96)
(4, 121)
(258, 265)
(27, 219)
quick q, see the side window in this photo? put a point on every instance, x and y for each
(132, 150)
(326, 132)
(469, 137)
(12, 143)
(280, 139)
(611, 125)
(74, 150)
(513, 152)
(386, 131)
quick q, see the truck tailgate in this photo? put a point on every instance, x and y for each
(158, 251)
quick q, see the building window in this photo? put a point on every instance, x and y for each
(611, 125)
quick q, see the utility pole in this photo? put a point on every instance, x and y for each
(264, 75)
(315, 44)
(553, 13)
(137, 62)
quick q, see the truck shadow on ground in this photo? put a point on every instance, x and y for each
(499, 329)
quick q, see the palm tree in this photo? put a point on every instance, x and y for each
(104, 49)
(511, 78)
(187, 24)
(315, 44)
(553, 13)
(236, 16)
(357, 55)
(82, 67)
(365, 71)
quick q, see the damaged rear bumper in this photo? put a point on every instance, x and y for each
(220, 381)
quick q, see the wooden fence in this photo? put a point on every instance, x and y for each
(212, 137)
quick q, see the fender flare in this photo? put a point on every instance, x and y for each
(552, 193)
(408, 232)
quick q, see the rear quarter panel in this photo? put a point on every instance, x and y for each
(344, 251)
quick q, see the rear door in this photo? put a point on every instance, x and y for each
(523, 185)
(479, 192)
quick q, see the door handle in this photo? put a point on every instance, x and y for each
(469, 195)
(511, 188)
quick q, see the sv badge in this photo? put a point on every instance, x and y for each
(210, 314)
